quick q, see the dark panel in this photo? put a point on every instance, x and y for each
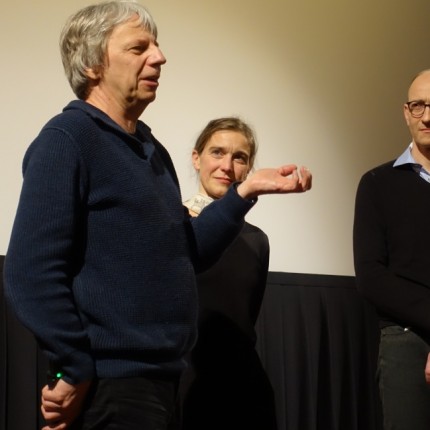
(3, 350)
(22, 373)
(318, 341)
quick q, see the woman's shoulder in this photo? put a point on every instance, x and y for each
(253, 230)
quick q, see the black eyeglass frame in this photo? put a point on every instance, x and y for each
(421, 104)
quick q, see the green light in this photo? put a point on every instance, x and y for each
(58, 375)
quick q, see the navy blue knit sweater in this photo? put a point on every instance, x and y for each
(100, 266)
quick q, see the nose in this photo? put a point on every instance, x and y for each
(162, 58)
(227, 164)
(157, 56)
(426, 114)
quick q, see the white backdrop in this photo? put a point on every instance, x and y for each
(322, 83)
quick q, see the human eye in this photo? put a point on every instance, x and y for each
(416, 106)
(417, 103)
(139, 47)
(216, 152)
(241, 158)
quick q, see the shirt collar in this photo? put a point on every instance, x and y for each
(406, 157)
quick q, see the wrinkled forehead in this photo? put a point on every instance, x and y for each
(230, 140)
(128, 32)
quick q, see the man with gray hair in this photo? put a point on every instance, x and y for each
(102, 258)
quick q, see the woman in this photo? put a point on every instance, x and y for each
(226, 386)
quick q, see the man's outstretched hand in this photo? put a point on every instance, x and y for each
(283, 180)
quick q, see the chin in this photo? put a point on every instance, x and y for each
(424, 143)
(216, 195)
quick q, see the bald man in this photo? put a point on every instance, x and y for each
(392, 265)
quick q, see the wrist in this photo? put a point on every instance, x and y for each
(244, 191)
(52, 377)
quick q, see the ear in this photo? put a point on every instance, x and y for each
(195, 158)
(93, 73)
(406, 113)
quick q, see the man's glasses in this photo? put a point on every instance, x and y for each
(417, 108)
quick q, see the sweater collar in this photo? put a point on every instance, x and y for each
(143, 133)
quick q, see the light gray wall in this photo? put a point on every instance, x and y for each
(322, 83)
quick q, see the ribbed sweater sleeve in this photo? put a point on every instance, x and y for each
(42, 246)
(217, 226)
(391, 252)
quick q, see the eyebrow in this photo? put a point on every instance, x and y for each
(223, 148)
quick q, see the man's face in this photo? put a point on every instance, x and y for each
(224, 160)
(419, 127)
(132, 67)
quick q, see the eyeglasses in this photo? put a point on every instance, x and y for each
(417, 108)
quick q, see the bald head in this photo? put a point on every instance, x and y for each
(419, 79)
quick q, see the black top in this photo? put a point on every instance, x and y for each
(226, 386)
(391, 245)
(233, 288)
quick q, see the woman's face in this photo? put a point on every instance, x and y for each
(224, 160)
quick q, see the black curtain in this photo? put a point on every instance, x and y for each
(22, 372)
(318, 340)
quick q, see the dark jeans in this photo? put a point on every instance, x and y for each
(129, 404)
(405, 396)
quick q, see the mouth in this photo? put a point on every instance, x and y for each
(151, 80)
(154, 78)
(227, 181)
